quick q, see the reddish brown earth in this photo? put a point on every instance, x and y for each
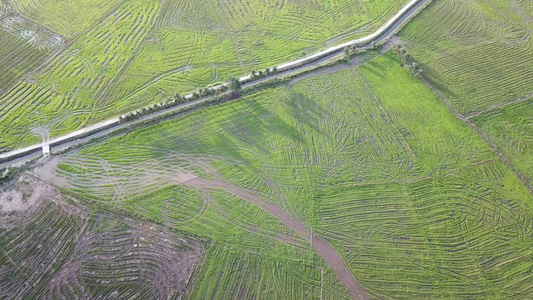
(325, 250)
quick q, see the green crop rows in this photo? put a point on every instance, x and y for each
(24, 46)
(478, 53)
(511, 128)
(123, 55)
(67, 18)
(368, 158)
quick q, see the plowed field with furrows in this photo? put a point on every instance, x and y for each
(366, 161)
(51, 249)
(477, 53)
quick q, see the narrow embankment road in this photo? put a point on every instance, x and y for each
(330, 256)
(96, 130)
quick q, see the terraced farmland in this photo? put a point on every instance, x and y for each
(455, 235)
(368, 180)
(367, 160)
(66, 92)
(123, 55)
(477, 53)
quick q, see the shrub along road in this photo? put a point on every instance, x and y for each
(100, 129)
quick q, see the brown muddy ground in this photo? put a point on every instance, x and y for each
(50, 246)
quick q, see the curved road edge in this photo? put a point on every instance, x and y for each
(397, 21)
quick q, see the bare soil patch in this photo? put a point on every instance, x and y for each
(56, 246)
(25, 195)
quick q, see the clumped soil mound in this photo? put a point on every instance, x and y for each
(52, 249)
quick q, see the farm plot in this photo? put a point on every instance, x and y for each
(66, 92)
(234, 274)
(24, 46)
(196, 43)
(477, 53)
(511, 129)
(116, 66)
(68, 18)
(460, 235)
(52, 249)
(368, 159)
(272, 259)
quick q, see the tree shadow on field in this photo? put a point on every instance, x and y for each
(309, 112)
(257, 126)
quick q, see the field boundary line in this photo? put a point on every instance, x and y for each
(487, 140)
(499, 106)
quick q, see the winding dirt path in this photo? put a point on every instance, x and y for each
(323, 249)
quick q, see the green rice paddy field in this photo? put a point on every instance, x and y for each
(368, 159)
(511, 129)
(124, 54)
(478, 53)
(236, 200)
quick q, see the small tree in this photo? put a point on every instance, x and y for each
(235, 85)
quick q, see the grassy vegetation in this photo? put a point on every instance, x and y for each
(477, 53)
(139, 52)
(24, 46)
(511, 129)
(66, 93)
(67, 18)
(368, 158)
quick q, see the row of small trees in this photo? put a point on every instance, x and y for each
(407, 61)
(176, 100)
(352, 50)
(263, 73)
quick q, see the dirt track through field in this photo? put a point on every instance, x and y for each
(323, 249)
